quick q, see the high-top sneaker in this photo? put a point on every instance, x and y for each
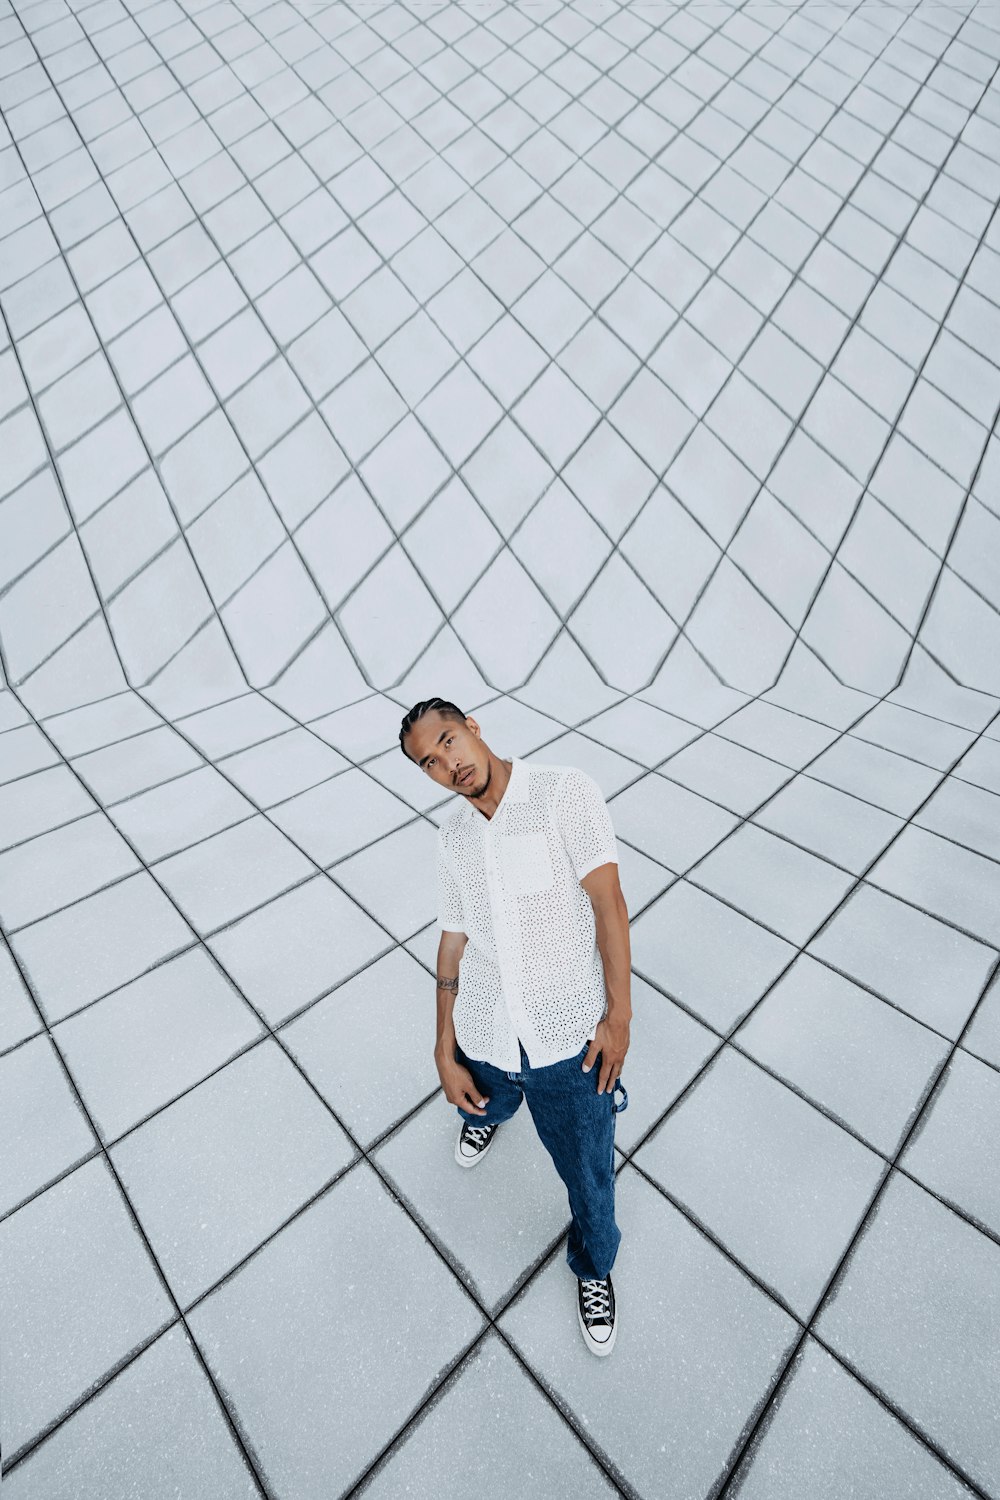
(473, 1143)
(595, 1309)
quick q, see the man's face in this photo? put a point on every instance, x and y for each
(452, 753)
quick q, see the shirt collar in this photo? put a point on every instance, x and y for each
(516, 790)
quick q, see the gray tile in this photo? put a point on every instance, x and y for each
(404, 471)
(180, 813)
(729, 774)
(45, 1129)
(95, 724)
(302, 469)
(119, 1444)
(231, 873)
(816, 488)
(297, 947)
(341, 816)
(827, 1436)
(733, 622)
(926, 1341)
(954, 1147)
(790, 738)
(23, 750)
(667, 1047)
(668, 822)
(878, 776)
(267, 1335)
(750, 424)
(362, 729)
(135, 764)
(234, 537)
(609, 479)
(494, 1224)
(844, 830)
(966, 814)
(369, 1047)
(222, 1168)
(782, 1187)
(917, 491)
(639, 730)
(274, 614)
(56, 868)
(940, 877)
(854, 634)
(775, 882)
(18, 1017)
(204, 464)
(158, 1036)
(459, 412)
(652, 419)
(983, 1037)
(517, 1433)
(622, 626)
(913, 734)
(79, 1293)
(40, 802)
(865, 1063)
(671, 551)
(890, 562)
(705, 955)
(923, 966)
(99, 944)
(699, 1346)
(980, 765)
(363, 617)
(283, 766)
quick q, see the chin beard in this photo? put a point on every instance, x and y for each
(483, 789)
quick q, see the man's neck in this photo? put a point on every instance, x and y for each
(488, 803)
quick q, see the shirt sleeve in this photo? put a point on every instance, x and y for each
(584, 822)
(450, 918)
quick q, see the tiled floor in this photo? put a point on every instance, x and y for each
(629, 374)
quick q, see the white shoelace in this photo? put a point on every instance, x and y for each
(479, 1134)
(596, 1301)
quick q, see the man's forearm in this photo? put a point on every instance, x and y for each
(448, 959)
(447, 989)
(611, 924)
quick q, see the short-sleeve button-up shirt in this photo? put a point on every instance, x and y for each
(531, 970)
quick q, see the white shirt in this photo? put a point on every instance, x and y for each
(531, 970)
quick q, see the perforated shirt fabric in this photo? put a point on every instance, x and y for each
(531, 971)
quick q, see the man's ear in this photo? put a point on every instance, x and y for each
(471, 724)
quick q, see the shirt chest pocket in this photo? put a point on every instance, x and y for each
(526, 863)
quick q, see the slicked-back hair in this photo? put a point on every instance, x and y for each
(446, 709)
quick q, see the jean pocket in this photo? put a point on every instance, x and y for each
(619, 1087)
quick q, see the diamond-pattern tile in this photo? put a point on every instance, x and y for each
(628, 377)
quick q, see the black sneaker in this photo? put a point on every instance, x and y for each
(595, 1308)
(473, 1143)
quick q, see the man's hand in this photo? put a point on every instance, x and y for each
(459, 1086)
(611, 1041)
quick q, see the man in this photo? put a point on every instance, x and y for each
(532, 913)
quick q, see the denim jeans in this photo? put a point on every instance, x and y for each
(576, 1125)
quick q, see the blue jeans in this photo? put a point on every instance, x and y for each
(576, 1125)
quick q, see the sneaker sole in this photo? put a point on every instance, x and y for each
(599, 1349)
(472, 1161)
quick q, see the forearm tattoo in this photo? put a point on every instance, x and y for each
(447, 984)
